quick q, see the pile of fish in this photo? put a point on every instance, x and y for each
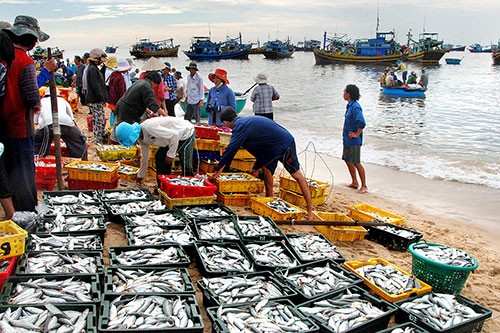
(273, 254)
(124, 195)
(41, 163)
(408, 234)
(136, 206)
(237, 289)
(145, 235)
(149, 312)
(314, 281)
(81, 197)
(156, 281)
(220, 229)
(93, 167)
(149, 256)
(54, 242)
(224, 258)
(234, 176)
(440, 310)
(187, 181)
(378, 217)
(155, 219)
(70, 223)
(202, 212)
(60, 263)
(257, 227)
(112, 147)
(312, 182)
(404, 330)
(310, 247)
(444, 254)
(389, 278)
(282, 206)
(35, 319)
(127, 170)
(344, 312)
(41, 290)
(76, 209)
(263, 317)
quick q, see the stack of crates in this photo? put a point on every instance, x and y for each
(109, 153)
(238, 192)
(91, 175)
(64, 149)
(206, 149)
(290, 191)
(13, 244)
(243, 161)
(45, 173)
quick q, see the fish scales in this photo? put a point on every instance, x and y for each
(314, 247)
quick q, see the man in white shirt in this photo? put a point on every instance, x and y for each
(195, 93)
(74, 139)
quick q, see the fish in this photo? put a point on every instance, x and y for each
(445, 254)
(153, 235)
(152, 218)
(203, 212)
(282, 206)
(310, 247)
(80, 197)
(148, 256)
(408, 234)
(61, 263)
(188, 181)
(124, 195)
(388, 278)
(259, 226)
(128, 281)
(235, 176)
(75, 209)
(135, 206)
(224, 258)
(63, 223)
(272, 254)
(54, 242)
(404, 330)
(219, 229)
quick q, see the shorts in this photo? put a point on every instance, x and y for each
(288, 159)
(352, 154)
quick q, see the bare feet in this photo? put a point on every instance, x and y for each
(353, 185)
(363, 190)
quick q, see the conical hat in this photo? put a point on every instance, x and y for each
(153, 64)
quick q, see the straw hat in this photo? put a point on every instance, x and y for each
(192, 65)
(24, 25)
(153, 64)
(220, 73)
(261, 78)
(111, 62)
(122, 65)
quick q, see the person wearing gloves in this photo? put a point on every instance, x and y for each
(220, 96)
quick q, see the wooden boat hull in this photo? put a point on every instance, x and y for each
(401, 92)
(241, 54)
(163, 53)
(327, 57)
(496, 58)
(44, 55)
(241, 101)
(428, 57)
(277, 55)
(453, 61)
(257, 50)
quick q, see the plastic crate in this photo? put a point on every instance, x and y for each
(46, 196)
(341, 233)
(76, 209)
(172, 202)
(374, 289)
(80, 184)
(194, 311)
(225, 271)
(206, 132)
(117, 250)
(245, 165)
(299, 200)
(240, 154)
(260, 207)
(249, 184)
(471, 326)
(208, 166)
(443, 278)
(73, 234)
(290, 184)
(128, 176)
(410, 325)
(259, 266)
(206, 155)
(42, 229)
(118, 152)
(7, 272)
(206, 144)
(13, 243)
(225, 137)
(196, 223)
(64, 149)
(276, 235)
(391, 240)
(74, 172)
(180, 219)
(184, 191)
(213, 206)
(12, 284)
(45, 184)
(106, 195)
(168, 238)
(235, 199)
(367, 213)
(45, 167)
(340, 259)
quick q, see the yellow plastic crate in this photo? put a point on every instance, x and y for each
(244, 165)
(241, 154)
(235, 199)
(299, 200)
(129, 177)
(123, 153)
(374, 289)
(152, 151)
(74, 172)
(340, 233)
(225, 138)
(152, 172)
(207, 166)
(252, 184)
(260, 207)
(206, 144)
(290, 184)
(171, 202)
(365, 212)
(12, 244)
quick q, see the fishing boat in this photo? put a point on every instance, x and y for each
(338, 49)
(41, 53)
(478, 48)
(257, 49)
(405, 91)
(496, 57)
(453, 61)
(202, 48)
(452, 47)
(241, 100)
(162, 48)
(428, 49)
(111, 49)
(277, 49)
(308, 45)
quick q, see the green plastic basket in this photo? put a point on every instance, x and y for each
(442, 277)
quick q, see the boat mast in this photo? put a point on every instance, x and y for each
(378, 21)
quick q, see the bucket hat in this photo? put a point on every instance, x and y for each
(127, 134)
(192, 65)
(24, 25)
(179, 74)
(261, 78)
(122, 65)
(96, 54)
(111, 62)
(220, 73)
(167, 65)
(153, 64)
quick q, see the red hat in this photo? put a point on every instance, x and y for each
(220, 73)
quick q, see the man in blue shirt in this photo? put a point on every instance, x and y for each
(269, 143)
(352, 135)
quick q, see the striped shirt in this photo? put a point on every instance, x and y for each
(263, 96)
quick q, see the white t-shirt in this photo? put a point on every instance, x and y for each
(44, 117)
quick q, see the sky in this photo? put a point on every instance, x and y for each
(86, 24)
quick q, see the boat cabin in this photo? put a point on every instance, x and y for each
(383, 44)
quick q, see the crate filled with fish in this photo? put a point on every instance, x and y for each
(221, 229)
(339, 233)
(12, 238)
(117, 208)
(71, 241)
(444, 267)
(222, 258)
(317, 188)
(235, 199)
(238, 182)
(394, 237)
(368, 213)
(276, 209)
(312, 247)
(148, 280)
(242, 165)
(205, 211)
(115, 152)
(165, 314)
(168, 255)
(271, 255)
(405, 328)
(128, 173)
(61, 262)
(77, 209)
(258, 228)
(152, 235)
(387, 280)
(41, 289)
(317, 278)
(49, 318)
(7, 268)
(194, 201)
(186, 187)
(45, 168)
(62, 224)
(243, 288)
(124, 195)
(299, 200)
(80, 184)
(443, 313)
(158, 218)
(263, 316)
(70, 197)
(93, 171)
(241, 153)
(204, 131)
(349, 309)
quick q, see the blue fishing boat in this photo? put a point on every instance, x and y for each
(277, 49)
(414, 91)
(111, 49)
(478, 48)
(241, 100)
(453, 61)
(162, 48)
(202, 48)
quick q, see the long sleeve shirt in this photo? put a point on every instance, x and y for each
(133, 104)
(171, 82)
(353, 120)
(194, 89)
(263, 96)
(219, 98)
(44, 117)
(96, 88)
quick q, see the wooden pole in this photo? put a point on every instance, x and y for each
(56, 129)
(332, 223)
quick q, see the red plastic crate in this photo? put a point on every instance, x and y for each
(181, 191)
(64, 149)
(79, 184)
(45, 184)
(206, 132)
(4, 275)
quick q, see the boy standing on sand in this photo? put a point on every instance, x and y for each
(352, 135)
